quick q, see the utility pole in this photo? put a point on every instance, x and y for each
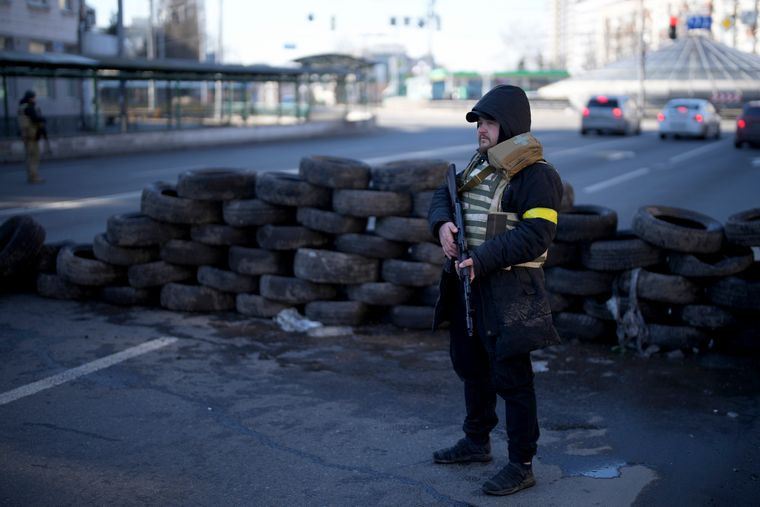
(120, 51)
(151, 50)
(642, 57)
(736, 21)
(219, 57)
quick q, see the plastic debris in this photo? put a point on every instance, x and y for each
(290, 321)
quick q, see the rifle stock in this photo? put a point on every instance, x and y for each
(462, 255)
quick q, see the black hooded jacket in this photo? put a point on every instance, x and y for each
(512, 305)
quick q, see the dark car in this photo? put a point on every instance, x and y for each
(748, 125)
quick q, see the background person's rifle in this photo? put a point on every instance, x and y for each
(464, 274)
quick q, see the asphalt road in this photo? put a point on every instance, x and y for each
(622, 173)
(102, 405)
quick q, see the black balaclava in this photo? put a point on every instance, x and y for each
(508, 105)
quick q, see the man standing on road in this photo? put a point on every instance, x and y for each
(509, 198)
(30, 121)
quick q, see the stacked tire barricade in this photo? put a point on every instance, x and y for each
(676, 281)
(342, 242)
(345, 244)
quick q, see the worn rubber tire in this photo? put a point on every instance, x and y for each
(624, 251)
(410, 273)
(153, 274)
(325, 266)
(735, 292)
(369, 245)
(216, 184)
(563, 254)
(255, 261)
(53, 286)
(408, 229)
(663, 287)
(254, 305)
(706, 316)
(191, 253)
(334, 172)
(586, 223)
(743, 228)
(412, 317)
(559, 302)
(21, 239)
(582, 327)
(294, 291)
(195, 298)
(678, 229)
(727, 262)
(139, 230)
(129, 296)
(369, 203)
(568, 197)
(226, 281)
(379, 293)
(336, 313)
(255, 212)
(330, 221)
(288, 189)
(223, 235)
(48, 255)
(650, 311)
(675, 337)
(77, 264)
(289, 237)
(426, 296)
(409, 175)
(421, 203)
(578, 282)
(161, 202)
(122, 255)
(427, 252)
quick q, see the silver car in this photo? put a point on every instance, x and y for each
(611, 113)
(689, 118)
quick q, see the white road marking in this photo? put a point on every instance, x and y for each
(435, 153)
(70, 204)
(694, 153)
(85, 369)
(616, 180)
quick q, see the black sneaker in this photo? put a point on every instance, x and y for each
(510, 479)
(464, 451)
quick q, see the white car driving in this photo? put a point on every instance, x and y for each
(689, 118)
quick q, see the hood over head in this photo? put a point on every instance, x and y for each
(508, 105)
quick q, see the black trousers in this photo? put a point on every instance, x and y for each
(484, 378)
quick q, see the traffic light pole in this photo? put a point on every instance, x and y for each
(642, 56)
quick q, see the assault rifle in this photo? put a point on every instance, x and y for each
(464, 274)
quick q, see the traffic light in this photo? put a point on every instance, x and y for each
(672, 27)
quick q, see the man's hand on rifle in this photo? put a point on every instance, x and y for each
(448, 241)
(467, 263)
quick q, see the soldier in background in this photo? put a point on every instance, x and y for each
(30, 121)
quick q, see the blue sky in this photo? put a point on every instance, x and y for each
(481, 35)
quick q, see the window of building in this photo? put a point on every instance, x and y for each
(66, 5)
(43, 4)
(36, 46)
(6, 43)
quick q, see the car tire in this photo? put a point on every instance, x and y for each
(662, 287)
(255, 212)
(294, 291)
(254, 305)
(409, 175)
(216, 184)
(330, 221)
(737, 144)
(582, 327)
(53, 286)
(405, 229)
(678, 229)
(410, 273)
(21, 239)
(191, 253)
(624, 251)
(105, 251)
(195, 298)
(325, 266)
(336, 313)
(161, 202)
(153, 274)
(287, 189)
(289, 237)
(255, 261)
(369, 245)
(578, 282)
(584, 132)
(334, 172)
(379, 293)
(431, 253)
(226, 281)
(367, 203)
(743, 228)
(77, 264)
(675, 337)
(662, 136)
(724, 263)
(586, 223)
(412, 317)
(140, 230)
